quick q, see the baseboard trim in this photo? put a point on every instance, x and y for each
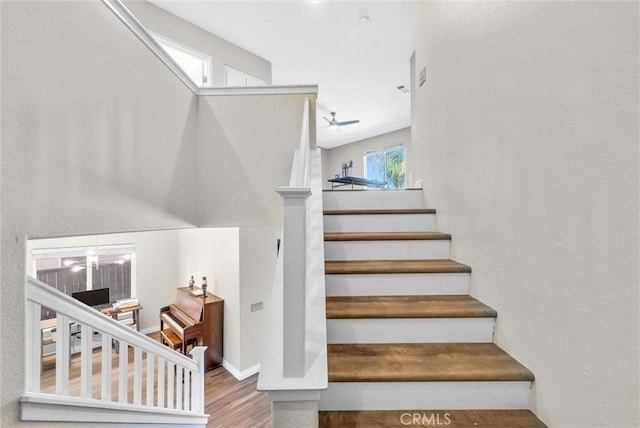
(49, 408)
(238, 374)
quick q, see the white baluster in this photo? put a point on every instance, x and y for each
(34, 347)
(179, 386)
(160, 382)
(170, 385)
(187, 390)
(150, 377)
(62, 354)
(123, 359)
(86, 361)
(106, 368)
(137, 376)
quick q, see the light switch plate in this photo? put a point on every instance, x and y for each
(423, 75)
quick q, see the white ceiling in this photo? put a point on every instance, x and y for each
(357, 67)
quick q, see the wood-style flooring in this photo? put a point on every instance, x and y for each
(435, 306)
(423, 362)
(335, 267)
(229, 402)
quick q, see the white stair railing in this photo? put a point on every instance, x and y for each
(294, 366)
(149, 382)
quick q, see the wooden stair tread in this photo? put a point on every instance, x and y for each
(394, 266)
(457, 418)
(381, 211)
(436, 306)
(423, 362)
(386, 236)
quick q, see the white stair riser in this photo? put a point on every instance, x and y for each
(380, 223)
(410, 330)
(387, 250)
(425, 395)
(397, 284)
(372, 199)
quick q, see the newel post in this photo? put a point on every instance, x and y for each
(197, 382)
(294, 251)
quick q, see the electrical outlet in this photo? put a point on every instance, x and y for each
(256, 307)
(423, 75)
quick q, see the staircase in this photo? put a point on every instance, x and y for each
(407, 345)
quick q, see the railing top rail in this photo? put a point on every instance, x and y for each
(45, 295)
(258, 90)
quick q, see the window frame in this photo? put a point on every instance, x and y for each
(386, 150)
(187, 50)
(88, 251)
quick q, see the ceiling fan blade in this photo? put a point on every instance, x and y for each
(328, 121)
(348, 122)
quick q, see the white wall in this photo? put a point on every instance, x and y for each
(97, 137)
(245, 150)
(332, 159)
(156, 265)
(223, 52)
(526, 134)
(257, 267)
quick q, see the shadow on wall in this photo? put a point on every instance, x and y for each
(245, 150)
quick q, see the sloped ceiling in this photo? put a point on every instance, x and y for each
(357, 64)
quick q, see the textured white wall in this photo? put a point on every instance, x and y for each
(156, 265)
(245, 149)
(97, 137)
(526, 134)
(257, 266)
(214, 253)
(223, 52)
(333, 159)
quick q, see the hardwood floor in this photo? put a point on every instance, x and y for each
(235, 404)
(229, 402)
(423, 362)
(335, 267)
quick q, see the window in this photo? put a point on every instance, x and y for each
(386, 165)
(235, 77)
(196, 64)
(70, 270)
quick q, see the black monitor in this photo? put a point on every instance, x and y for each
(96, 297)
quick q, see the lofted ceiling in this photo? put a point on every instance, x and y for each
(357, 63)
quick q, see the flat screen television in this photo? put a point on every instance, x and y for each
(96, 297)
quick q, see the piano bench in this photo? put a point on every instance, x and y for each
(170, 338)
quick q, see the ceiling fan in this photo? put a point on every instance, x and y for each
(333, 122)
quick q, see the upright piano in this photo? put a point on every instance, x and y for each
(198, 319)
